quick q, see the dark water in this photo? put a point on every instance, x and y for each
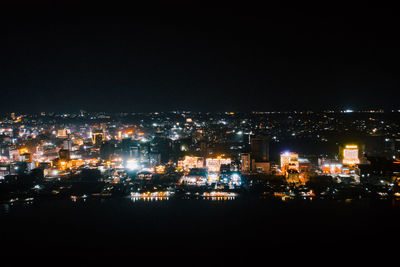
(94, 228)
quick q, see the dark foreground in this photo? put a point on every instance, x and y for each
(97, 231)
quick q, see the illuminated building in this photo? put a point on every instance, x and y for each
(77, 162)
(23, 150)
(350, 155)
(249, 164)
(214, 164)
(4, 170)
(304, 165)
(103, 127)
(196, 176)
(289, 161)
(245, 162)
(293, 176)
(160, 169)
(332, 168)
(63, 165)
(191, 162)
(63, 133)
(27, 157)
(97, 137)
(14, 155)
(258, 158)
(67, 144)
(144, 175)
(261, 167)
(78, 141)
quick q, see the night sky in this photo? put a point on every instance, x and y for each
(67, 58)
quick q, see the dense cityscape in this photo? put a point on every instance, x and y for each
(343, 155)
(176, 135)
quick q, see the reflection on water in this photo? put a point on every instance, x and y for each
(134, 199)
(165, 195)
(6, 207)
(151, 196)
(219, 196)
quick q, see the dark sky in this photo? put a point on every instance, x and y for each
(66, 58)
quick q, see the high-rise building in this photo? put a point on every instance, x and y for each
(107, 150)
(350, 155)
(97, 137)
(67, 144)
(260, 149)
(103, 127)
(245, 163)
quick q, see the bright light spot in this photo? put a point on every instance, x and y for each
(132, 164)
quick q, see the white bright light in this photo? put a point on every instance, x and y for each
(132, 164)
(235, 176)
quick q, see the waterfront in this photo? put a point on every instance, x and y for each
(244, 221)
(195, 230)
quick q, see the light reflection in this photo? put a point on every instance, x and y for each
(148, 199)
(219, 196)
(151, 196)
